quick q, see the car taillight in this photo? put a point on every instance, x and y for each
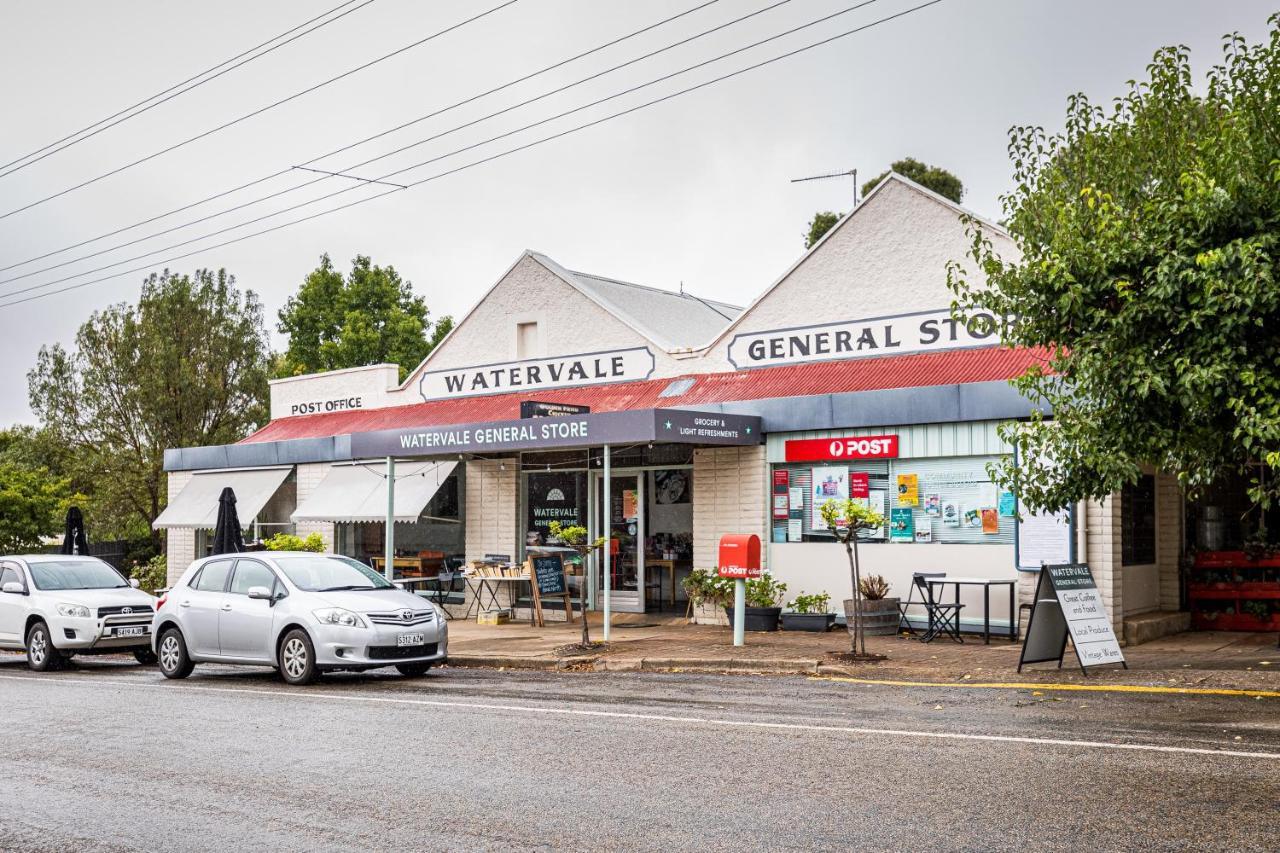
(163, 599)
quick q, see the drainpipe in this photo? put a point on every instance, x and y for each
(608, 542)
(389, 550)
(1082, 532)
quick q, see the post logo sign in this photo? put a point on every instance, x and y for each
(538, 374)
(838, 449)
(902, 334)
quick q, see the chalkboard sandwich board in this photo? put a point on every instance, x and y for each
(1068, 604)
(546, 571)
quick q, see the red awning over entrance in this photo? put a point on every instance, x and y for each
(825, 377)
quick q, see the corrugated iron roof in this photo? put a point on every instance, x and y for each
(825, 377)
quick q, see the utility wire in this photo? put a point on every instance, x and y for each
(335, 151)
(261, 110)
(499, 155)
(446, 155)
(176, 89)
(346, 172)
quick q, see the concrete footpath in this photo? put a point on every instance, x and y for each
(1193, 660)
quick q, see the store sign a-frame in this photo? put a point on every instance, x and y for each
(1068, 604)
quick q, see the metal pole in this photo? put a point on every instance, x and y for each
(608, 541)
(739, 612)
(389, 551)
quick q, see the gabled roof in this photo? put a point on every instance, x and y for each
(952, 367)
(670, 319)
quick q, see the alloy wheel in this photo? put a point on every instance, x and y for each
(39, 647)
(295, 657)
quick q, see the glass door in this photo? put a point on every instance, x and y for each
(624, 527)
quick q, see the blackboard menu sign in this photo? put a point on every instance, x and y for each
(548, 574)
(1068, 603)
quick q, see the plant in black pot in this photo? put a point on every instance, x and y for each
(809, 613)
(764, 603)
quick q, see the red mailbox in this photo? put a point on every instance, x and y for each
(739, 555)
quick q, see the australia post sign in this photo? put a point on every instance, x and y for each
(846, 447)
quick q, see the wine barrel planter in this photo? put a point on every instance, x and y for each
(879, 617)
(758, 618)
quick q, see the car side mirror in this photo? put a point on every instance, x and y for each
(133, 582)
(260, 592)
(13, 588)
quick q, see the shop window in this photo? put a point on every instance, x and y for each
(554, 496)
(948, 501)
(1138, 522)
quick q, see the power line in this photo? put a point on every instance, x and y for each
(437, 158)
(261, 110)
(170, 93)
(380, 134)
(499, 155)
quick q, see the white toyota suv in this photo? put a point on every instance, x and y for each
(53, 607)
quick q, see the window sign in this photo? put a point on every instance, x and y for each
(830, 483)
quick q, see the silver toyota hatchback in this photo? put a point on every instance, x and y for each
(300, 612)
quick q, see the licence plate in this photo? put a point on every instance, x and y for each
(136, 631)
(418, 639)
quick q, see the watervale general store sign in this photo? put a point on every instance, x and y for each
(900, 334)
(594, 368)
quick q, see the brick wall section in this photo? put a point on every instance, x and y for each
(492, 500)
(180, 543)
(308, 477)
(730, 495)
(1104, 556)
(1169, 538)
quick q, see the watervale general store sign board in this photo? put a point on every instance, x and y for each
(1068, 603)
(901, 334)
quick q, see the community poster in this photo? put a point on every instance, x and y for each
(876, 501)
(908, 490)
(990, 520)
(830, 483)
(902, 525)
(932, 505)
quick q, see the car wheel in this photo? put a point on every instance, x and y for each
(297, 658)
(173, 658)
(413, 670)
(146, 657)
(41, 654)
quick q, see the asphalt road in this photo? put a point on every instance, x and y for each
(110, 756)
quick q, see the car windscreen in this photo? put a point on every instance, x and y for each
(75, 574)
(325, 574)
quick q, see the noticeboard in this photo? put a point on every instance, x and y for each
(1068, 604)
(1044, 538)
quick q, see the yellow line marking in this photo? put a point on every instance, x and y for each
(1084, 688)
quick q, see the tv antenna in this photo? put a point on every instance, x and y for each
(850, 173)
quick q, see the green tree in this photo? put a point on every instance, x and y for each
(935, 178)
(822, 222)
(1150, 242)
(186, 366)
(370, 317)
(32, 507)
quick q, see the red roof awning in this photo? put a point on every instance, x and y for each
(954, 367)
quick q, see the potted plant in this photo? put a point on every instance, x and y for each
(706, 592)
(764, 603)
(880, 616)
(844, 519)
(809, 613)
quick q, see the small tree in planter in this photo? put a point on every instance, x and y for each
(575, 537)
(844, 519)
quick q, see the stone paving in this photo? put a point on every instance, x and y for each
(1192, 659)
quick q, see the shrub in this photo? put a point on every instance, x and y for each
(764, 591)
(151, 575)
(873, 587)
(817, 603)
(289, 542)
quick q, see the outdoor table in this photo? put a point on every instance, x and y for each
(484, 584)
(433, 585)
(986, 584)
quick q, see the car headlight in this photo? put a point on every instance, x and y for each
(339, 616)
(74, 611)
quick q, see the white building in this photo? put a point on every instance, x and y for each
(718, 419)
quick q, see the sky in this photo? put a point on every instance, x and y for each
(695, 190)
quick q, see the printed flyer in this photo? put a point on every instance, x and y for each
(924, 534)
(1007, 504)
(830, 482)
(902, 525)
(951, 514)
(859, 484)
(932, 505)
(908, 490)
(990, 521)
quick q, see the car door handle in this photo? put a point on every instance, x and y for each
(186, 604)
(226, 607)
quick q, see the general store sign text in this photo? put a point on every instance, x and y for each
(893, 335)
(538, 374)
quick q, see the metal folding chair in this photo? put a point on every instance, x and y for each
(904, 621)
(944, 616)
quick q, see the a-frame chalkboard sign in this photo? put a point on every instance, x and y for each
(546, 575)
(1067, 603)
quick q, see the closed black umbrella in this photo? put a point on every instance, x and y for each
(74, 541)
(227, 536)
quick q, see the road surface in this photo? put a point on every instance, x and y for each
(110, 756)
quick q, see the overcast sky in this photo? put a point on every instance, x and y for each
(696, 189)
